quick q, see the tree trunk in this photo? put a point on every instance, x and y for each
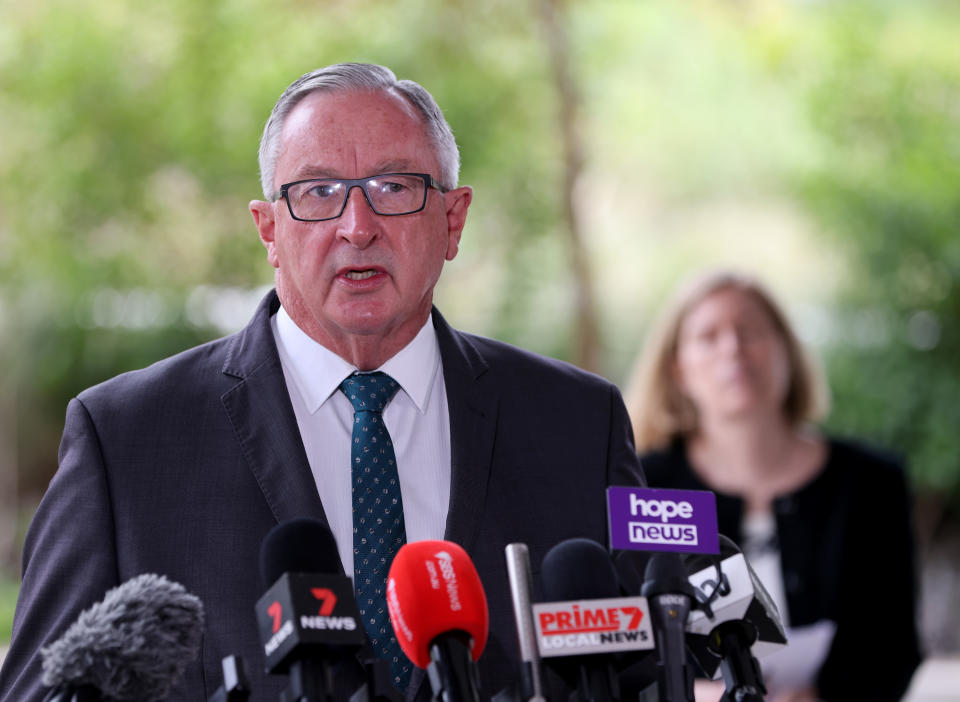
(587, 346)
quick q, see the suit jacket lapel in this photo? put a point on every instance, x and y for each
(473, 420)
(266, 427)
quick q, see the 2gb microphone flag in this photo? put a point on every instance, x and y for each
(652, 519)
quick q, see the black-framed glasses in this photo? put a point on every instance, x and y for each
(318, 199)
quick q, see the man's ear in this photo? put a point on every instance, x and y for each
(457, 203)
(263, 217)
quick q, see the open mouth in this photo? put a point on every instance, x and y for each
(361, 274)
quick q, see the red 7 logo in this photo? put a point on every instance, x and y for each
(276, 611)
(636, 615)
(327, 599)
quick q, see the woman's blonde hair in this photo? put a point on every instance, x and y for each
(659, 410)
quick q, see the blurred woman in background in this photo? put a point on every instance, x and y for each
(724, 398)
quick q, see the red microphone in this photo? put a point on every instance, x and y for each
(439, 613)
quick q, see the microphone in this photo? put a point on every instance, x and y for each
(439, 613)
(308, 618)
(521, 585)
(133, 646)
(746, 623)
(584, 621)
(671, 598)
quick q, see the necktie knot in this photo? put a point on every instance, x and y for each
(369, 392)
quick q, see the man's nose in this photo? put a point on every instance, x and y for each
(358, 224)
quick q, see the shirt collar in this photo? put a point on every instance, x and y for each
(318, 372)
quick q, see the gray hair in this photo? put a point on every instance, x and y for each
(359, 76)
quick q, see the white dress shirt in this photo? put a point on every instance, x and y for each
(417, 418)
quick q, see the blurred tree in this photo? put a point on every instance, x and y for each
(553, 18)
(129, 154)
(129, 131)
(888, 192)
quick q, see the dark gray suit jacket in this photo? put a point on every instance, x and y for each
(183, 467)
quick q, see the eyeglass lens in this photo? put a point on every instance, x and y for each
(390, 194)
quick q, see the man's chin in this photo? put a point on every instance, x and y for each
(364, 322)
(373, 318)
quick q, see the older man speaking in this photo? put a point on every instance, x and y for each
(347, 398)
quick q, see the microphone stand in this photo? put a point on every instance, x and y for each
(742, 677)
(452, 673)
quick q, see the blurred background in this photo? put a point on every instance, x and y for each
(614, 146)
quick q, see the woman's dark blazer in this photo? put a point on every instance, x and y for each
(847, 554)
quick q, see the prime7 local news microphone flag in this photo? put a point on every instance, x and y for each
(578, 627)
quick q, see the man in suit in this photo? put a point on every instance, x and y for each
(182, 468)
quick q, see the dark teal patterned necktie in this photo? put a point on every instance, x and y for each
(378, 529)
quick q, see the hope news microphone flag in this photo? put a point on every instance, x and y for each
(308, 619)
(667, 523)
(654, 519)
(438, 609)
(584, 624)
(133, 646)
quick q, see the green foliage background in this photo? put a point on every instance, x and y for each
(817, 144)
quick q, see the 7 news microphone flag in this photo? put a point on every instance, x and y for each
(308, 618)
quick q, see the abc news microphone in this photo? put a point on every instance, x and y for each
(308, 619)
(745, 623)
(724, 606)
(438, 609)
(133, 646)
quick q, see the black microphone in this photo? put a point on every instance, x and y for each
(745, 621)
(671, 598)
(308, 618)
(581, 569)
(133, 646)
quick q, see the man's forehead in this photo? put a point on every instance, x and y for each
(379, 128)
(352, 113)
(330, 169)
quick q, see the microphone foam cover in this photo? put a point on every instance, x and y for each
(578, 569)
(133, 645)
(433, 588)
(298, 546)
